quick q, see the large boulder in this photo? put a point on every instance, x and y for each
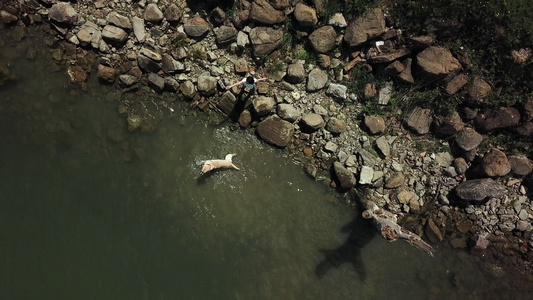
(419, 120)
(312, 121)
(520, 165)
(276, 131)
(261, 11)
(295, 73)
(316, 80)
(323, 39)
(114, 35)
(497, 118)
(226, 34)
(63, 12)
(479, 90)
(336, 126)
(375, 124)
(346, 178)
(288, 112)
(119, 20)
(495, 163)
(207, 84)
(263, 105)
(468, 139)
(265, 40)
(367, 26)
(196, 27)
(477, 190)
(436, 62)
(305, 15)
(153, 14)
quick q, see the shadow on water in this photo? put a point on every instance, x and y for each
(361, 232)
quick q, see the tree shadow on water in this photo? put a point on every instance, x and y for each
(361, 232)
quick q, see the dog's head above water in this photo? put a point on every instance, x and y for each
(205, 168)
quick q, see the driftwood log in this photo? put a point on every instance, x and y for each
(387, 224)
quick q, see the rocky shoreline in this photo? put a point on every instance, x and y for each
(430, 171)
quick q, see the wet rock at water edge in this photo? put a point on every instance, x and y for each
(346, 177)
(276, 131)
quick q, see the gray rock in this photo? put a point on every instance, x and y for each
(383, 145)
(337, 91)
(170, 65)
(468, 139)
(495, 163)
(261, 11)
(460, 165)
(196, 27)
(153, 14)
(171, 84)
(226, 34)
(276, 131)
(63, 12)
(114, 18)
(295, 73)
(127, 80)
(437, 62)
(375, 124)
(115, 35)
(265, 40)
(366, 175)
(147, 64)
(288, 112)
(227, 103)
(476, 190)
(346, 177)
(305, 15)
(312, 121)
(520, 165)
(367, 158)
(89, 33)
(367, 26)
(331, 147)
(138, 29)
(207, 84)
(497, 118)
(385, 93)
(419, 120)
(263, 105)
(336, 126)
(323, 39)
(173, 13)
(188, 89)
(316, 80)
(7, 17)
(396, 180)
(242, 39)
(479, 90)
(156, 82)
(337, 20)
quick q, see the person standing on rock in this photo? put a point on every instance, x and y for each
(249, 83)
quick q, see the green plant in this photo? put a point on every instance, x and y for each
(309, 57)
(275, 67)
(197, 52)
(180, 41)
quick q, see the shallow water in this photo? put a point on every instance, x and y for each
(91, 211)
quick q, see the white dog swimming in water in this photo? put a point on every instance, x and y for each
(212, 164)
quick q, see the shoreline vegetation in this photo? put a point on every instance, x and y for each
(422, 109)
